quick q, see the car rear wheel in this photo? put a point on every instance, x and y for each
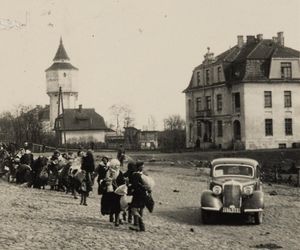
(258, 218)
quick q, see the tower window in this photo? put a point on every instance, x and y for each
(65, 74)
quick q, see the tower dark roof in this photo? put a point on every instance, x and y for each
(61, 53)
(60, 59)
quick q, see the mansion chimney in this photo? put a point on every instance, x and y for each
(250, 39)
(240, 41)
(280, 38)
(260, 37)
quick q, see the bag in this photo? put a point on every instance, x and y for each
(149, 202)
(124, 201)
(148, 182)
(44, 175)
(121, 190)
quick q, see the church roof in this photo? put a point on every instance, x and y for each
(61, 53)
(80, 119)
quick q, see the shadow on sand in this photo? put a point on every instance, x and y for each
(192, 216)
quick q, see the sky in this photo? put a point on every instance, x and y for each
(134, 52)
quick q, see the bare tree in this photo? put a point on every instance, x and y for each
(122, 114)
(173, 136)
(24, 125)
(174, 122)
(152, 123)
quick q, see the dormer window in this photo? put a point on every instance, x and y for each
(286, 70)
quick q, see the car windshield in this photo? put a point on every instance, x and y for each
(237, 170)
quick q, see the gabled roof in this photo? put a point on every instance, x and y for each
(285, 52)
(61, 53)
(80, 119)
(43, 113)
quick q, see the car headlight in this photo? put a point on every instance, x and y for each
(217, 190)
(248, 190)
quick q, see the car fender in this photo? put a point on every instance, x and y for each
(210, 201)
(255, 201)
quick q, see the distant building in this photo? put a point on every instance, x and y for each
(246, 97)
(80, 125)
(149, 139)
(76, 125)
(43, 115)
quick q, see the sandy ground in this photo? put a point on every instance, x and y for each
(44, 219)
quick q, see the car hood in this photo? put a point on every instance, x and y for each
(240, 180)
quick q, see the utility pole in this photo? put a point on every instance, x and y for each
(63, 115)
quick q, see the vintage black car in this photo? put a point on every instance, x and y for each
(234, 187)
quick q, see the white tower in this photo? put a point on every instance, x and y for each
(61, 74)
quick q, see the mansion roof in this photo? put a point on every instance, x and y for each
(248, 61)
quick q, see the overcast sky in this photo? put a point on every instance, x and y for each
(137, 52)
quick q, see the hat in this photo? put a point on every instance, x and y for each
(105, 157)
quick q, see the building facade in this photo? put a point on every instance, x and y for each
(246, 97)
(80, 126)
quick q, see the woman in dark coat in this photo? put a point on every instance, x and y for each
(110, 201)
(100, 171)
(88, 166)
(139, 192)
(131, 169)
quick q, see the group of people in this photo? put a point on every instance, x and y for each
(123, 194)
(114, 186)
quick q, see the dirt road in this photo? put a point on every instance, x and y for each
(44, 219)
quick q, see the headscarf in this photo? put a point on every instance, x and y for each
(114, 169)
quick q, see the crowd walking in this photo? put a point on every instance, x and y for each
(123, 195)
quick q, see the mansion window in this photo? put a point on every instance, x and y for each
(219, 73)
(198, 78)
(287, 99)
(219, 102)
(286, 70)
(220, 128)
(198, 104)
(207, 77)
(268, 99)
(236, 102)
(208, 102)
(269, 127)
(288, 126)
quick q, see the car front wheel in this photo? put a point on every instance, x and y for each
(258, 218)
